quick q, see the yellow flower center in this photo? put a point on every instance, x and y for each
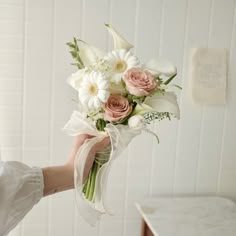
(93, 89)
(120, 66)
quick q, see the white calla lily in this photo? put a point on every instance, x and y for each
(160, 67)
(89, 55)
(141, 109)
(119, 41)
(76, 78)
(164, 103)
(160, 103)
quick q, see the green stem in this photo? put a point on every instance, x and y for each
(85, 186)
(93, 179)
(88, 185)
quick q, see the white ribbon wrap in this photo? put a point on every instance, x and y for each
(120, 136)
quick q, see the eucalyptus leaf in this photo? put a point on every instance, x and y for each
(71, 45)
(170, 79)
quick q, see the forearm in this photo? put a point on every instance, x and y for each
(57, 179)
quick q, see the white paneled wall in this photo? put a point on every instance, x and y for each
(197, 155)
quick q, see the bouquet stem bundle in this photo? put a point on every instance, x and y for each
(100, 159)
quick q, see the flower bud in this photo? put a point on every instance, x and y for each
(137, 121)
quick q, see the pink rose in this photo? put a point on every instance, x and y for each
(140, 82)
(117, 108)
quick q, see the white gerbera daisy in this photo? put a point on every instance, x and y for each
(94, 90)
(120, 61)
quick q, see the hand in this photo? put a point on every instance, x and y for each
(60, 178)
(78, 142)
(98, 147)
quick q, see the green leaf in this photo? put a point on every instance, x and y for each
(101, 124)
(73, 54)
(74, 51)
(170, 79)
(71, 45)
(75, 40)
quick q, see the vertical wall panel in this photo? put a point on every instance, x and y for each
(212, 132)
(66, 25)
(227, 174)
(11, 76)
(171, 48)
(11, 72)
(191, 115)
(143, 38)
(36, 94)
(37, 85)
(96, 13)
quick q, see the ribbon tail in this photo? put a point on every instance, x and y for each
(152, 133)
(120, 136)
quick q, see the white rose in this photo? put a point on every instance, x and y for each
(137, 121)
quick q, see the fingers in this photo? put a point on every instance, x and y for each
(91, 155)
(80, 139)
(101, 145)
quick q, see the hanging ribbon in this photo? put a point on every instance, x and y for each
(120, 137)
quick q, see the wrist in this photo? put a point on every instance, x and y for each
(57, 179)
(68, 170)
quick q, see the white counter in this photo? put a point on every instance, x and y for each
(195, 216)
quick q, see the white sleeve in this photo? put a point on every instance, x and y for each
(21, 187)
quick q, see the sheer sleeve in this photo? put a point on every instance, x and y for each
(21, 187)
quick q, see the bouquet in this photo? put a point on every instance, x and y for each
(118, 96)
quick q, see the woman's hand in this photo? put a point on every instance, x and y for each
(60, 178)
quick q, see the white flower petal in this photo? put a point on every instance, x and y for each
(124, 54)
(91, 103)
(103, 95)
(103, 84)
(164, 103)
(76, 79)
(83, 97)
(141, 109)
(119, 41)
(97, 102)
(89, 54)
(137, 121)
(94, 90)
(120, 56)
(116, 78)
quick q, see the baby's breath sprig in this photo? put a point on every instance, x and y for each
(154, 115)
